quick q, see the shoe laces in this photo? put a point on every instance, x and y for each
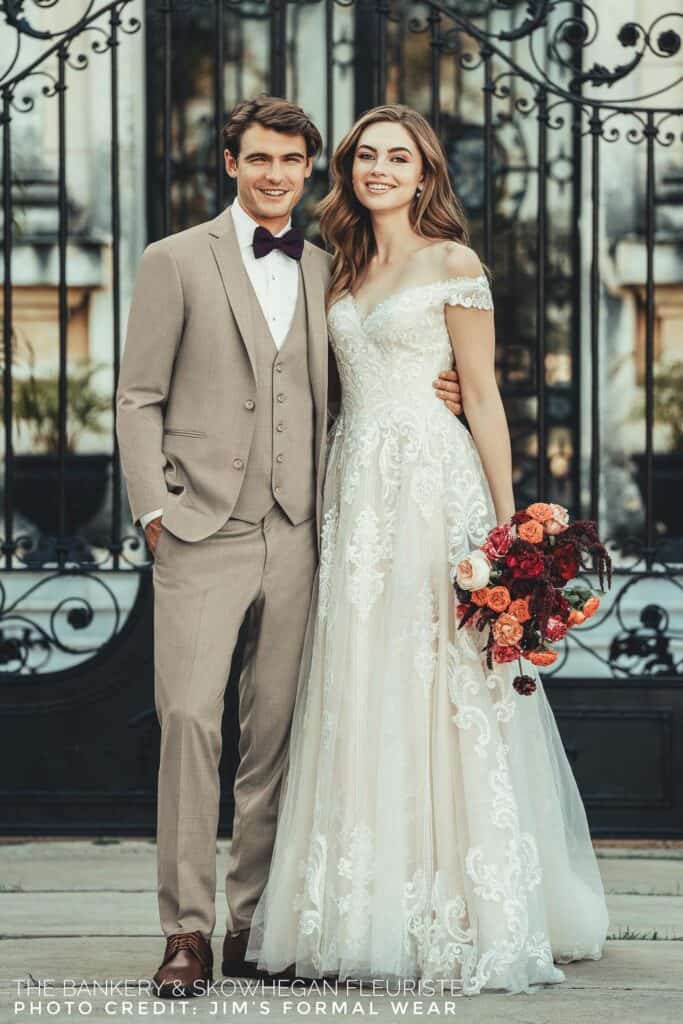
(193, 941)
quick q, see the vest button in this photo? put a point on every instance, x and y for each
(250, 404)
(278, 367)
(280, 427)
(280, 399)
(279, 458)
(237, 463)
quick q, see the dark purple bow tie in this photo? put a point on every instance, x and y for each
(291, 243)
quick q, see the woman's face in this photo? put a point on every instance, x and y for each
(387, 167)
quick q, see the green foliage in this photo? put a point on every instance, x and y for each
(668, 402)
(35, 407)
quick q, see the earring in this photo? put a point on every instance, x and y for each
(418, 192)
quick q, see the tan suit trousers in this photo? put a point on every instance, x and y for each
(202, 592)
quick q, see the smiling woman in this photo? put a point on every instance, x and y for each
(390, 158)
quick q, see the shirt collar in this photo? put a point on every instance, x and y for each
(245, 225)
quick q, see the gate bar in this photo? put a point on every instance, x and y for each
(7, 323)
(63, 230)
(650, 228)
(115, 21)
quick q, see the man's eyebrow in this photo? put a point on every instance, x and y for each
(268, 156)
(394, 149)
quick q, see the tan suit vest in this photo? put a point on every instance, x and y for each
(281, 465)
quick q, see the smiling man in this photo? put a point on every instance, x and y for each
(222, 413)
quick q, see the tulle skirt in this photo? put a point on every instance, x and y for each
(430, 825)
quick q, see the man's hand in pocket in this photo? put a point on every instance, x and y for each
(152, 533)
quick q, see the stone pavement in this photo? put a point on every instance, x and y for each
(86, 910)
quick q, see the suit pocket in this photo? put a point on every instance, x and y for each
(187, 433)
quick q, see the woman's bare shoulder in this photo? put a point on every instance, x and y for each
(446, 258)
(460, 260)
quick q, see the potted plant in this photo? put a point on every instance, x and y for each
(667, 465)
(35, 475)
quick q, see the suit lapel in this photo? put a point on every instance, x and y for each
(314, 290)
(236, 283)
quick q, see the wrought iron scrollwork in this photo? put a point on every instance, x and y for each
(559, 89)
(29, 646)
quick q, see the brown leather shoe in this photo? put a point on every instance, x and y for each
(188, 960)
(234, 965)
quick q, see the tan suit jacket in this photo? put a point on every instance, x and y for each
(188, 374)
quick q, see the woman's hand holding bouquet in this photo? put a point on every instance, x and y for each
(517, 584)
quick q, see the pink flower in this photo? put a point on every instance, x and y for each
(498, 542)
(559, 521)
(473, 573)
(555, 629)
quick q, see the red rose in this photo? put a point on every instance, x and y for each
(526, 563)
(506, 652)
(555, 629)
(565, 562)
(498, 542)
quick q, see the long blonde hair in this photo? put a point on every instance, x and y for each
(345, 223)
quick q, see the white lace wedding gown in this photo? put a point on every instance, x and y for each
(430, 825)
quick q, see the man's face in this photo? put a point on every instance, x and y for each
(271, 170)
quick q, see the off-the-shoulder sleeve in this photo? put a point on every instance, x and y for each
(469, 291)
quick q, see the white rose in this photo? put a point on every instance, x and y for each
(474, 572)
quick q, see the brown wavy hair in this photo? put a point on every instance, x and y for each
(345, 223)
(271, 112)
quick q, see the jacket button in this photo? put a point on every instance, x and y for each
(250, 404)
(237, 463)
(279, 458)
(280, 399)
(277, 490)
(278, 367)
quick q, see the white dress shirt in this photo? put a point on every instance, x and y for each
(275, 280)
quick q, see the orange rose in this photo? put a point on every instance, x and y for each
(541, 658)
(591, 606)
(575, 618)
(520, 609)
(507, 630)
(540, 510)
(498, 598)
(480, 596)
(531, 531)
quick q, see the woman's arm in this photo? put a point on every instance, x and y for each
(472, 334)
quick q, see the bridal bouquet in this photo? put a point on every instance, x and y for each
(517, 584)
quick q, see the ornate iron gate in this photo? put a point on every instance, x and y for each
(588, 281)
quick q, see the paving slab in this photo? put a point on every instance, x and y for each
(557, 1004)
(86, 909)
(625, 964)
(30, 914)
(651, 877)
(130, 865)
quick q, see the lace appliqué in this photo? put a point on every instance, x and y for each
(363, 555)
(470, 292)
(328, 544)
(424, 634)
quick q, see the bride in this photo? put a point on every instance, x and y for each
(430, 825)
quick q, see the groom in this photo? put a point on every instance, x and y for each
(222, 416)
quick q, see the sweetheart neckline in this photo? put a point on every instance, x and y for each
(363, 318)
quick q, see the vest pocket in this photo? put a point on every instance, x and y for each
(187, 433)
